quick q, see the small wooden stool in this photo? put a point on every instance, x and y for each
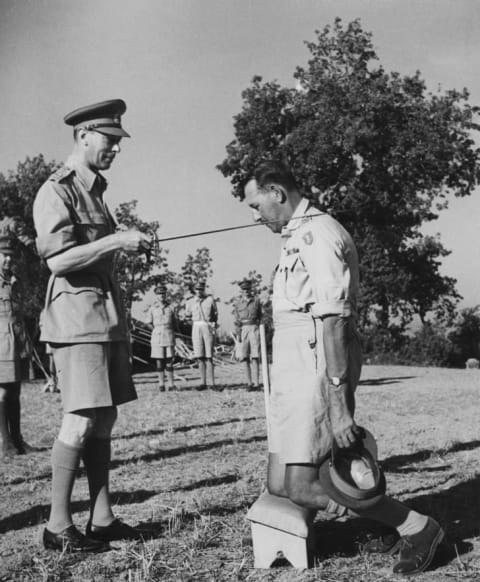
(280, 528)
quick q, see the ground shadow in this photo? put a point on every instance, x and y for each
(384, 381)
(186, 428)
(396, 462)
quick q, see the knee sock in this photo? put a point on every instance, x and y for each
(65, 462)
(96, 458)
(395, 514)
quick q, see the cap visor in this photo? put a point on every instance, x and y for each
(116, 131)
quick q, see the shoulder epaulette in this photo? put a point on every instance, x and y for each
(60, 174)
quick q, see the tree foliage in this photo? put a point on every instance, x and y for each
(138, 273)
(374, 149)
(17, 193)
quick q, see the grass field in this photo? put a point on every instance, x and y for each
(187, 465)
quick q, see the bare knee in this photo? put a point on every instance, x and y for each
(276, 476)
(77, 427)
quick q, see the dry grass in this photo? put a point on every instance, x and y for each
(187, 465)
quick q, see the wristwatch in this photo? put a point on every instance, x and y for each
(336, 381)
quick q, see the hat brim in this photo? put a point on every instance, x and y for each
(115, 131)
(325, 478)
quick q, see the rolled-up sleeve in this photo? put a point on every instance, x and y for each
(53, 224)
(324, 258)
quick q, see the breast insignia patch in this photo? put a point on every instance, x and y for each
(308, 238)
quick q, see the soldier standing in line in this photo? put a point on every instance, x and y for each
(13, 348)
(162, 317)
(202, 310)
(248, 316)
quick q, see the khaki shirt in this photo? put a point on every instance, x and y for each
(318, 268)
(248, 311)
(202, 310)
(85, 305)
(13, 343)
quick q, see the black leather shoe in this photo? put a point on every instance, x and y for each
(71, 540)
(253, 388)
(386, 544)
(117, 530)
(417, 551)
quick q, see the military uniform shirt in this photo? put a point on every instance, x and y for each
(318, 268)
(83, 305)
(202, 310)
(248, 311)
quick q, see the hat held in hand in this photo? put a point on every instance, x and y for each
(351, 476)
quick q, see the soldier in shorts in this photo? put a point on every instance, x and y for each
(162, 342)
(84, 322)
(202, 310)
(12, 351)
(317, 360)
(248, 316)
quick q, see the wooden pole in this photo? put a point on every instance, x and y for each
(266, 377)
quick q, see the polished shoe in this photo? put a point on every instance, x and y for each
(117, 530)
(253, 388)
(417, 550)
(200, 387)
(71, 540)
(385, 544)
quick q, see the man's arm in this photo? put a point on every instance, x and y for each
(82, 256)
(341, 400)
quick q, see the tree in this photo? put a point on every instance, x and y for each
(17, 193)
(377, 151)
(138, 274)
(465, 335)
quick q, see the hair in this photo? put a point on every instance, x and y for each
(274, 171)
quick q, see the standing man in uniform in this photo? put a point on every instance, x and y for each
(84, 322)
(202, 310)
(317, 359)
(248, 316)
(162, 342)
(12, 350)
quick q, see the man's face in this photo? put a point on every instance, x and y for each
(266, 206)
(5, 263)
(101, 150)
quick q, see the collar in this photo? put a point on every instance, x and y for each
(89, 178)
(295, 222)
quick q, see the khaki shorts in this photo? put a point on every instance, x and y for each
(203, 339)
(93, 375)
(161, 352)
(299, 427)
(250, 342)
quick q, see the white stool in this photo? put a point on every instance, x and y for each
(280, 528)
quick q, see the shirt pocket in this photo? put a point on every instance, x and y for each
(91, 226)
(294, 276)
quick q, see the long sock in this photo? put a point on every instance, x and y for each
(65, 462)
(13, 414)
(256, 371)
(395, 514)
(4, 432)
(203, 375)
(414, 523)
(210, 369)
(248, 372)
(96, 458)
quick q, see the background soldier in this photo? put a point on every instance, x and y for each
(202, 310)
(162, 342)
(84, 322)
(248, 316)
(13, 348)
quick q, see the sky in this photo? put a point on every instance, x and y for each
(181, 66)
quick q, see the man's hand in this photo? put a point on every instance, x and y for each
(132, 241)
(345, 431)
